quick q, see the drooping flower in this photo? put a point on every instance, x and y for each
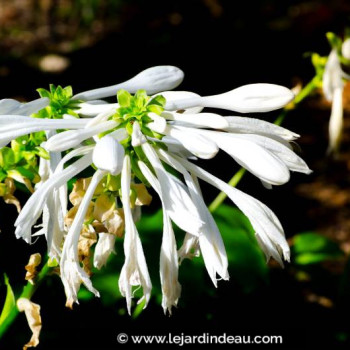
(333, 86)
(129, 143)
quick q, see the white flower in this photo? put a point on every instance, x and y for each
(169, 265)
(245, 99)
(333, 86)
(72, 274)
(136, 137)
(134, 271)
(152, 80)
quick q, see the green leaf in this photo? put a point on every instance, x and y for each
(312, 258)
(68, 91)
(7, 157)
(41, 152)
(10, 301)
(124, 98)
(155, 109)
(158, 100)
(311, 248)
(43, 92)
(140, 98)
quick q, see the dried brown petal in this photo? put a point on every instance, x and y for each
(32, 312)
(68, 220)
(143, 197)
(79, 190)
(34, 262)
(104, 206)
(115, 222)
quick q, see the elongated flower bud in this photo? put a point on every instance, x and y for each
(108, 155)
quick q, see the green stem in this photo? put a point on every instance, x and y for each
(222, 195)
(303, 93)
(27, 292)
(307, 89)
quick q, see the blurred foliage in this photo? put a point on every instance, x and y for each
(59, 25)
(312, 248)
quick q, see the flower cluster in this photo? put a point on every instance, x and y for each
(129, 147)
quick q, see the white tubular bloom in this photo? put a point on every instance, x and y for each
(332, 76)
(210, 240)
(72, 138)
(13, 107)
(336, 121)
(245, 99)
(104, 248)
(169, 265)
(269, 231)
(134, 271)
(333, 86)
(152, 80)
(13, 126)
(72, 274)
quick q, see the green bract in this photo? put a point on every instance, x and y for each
(137, 108)
(60, 102)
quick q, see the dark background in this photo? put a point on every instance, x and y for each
(220, 45)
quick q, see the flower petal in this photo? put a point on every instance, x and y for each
(246, 125)
(104, 248)
(34, 206)
(158, 124)
(200, 120)
(197, 144)
(134, 271)
(255, 158)
(72, 274)
(173, 96)
(176, 199)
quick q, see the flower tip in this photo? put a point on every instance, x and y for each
(108, 155)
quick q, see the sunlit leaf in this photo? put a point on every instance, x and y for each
(312, 248)
(9, 303)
